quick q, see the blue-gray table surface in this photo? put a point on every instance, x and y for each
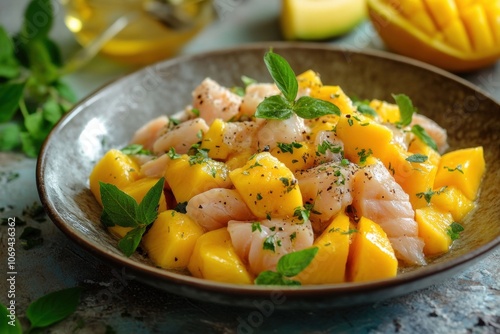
(466, 303)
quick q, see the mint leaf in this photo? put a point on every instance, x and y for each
(10, 95)
(10, 136)
(135, 149)
(147, 211)
(53, 307)
(129, 243)
(37, 126)
(420, 132)
(274, 107)
(454, 230)
(309, 108)
(9, 67)
(282, 74)
(10, 323)
(273, 278)
(65, 91)
(363, 107)
(247, 81)
(406, 109)
(51, 111)
(120, 207)
(293, 263)
(38, 19)
(417, 158)
(30, 146)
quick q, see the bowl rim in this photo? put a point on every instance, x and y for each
(309, 291)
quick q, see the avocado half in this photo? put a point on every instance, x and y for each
(320, 19)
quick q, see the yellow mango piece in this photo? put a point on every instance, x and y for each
(213, 140)
(462, 169)
(335, 95)
(453, 201)
(409, 7)
(309, 79)
(295, 156)
(114, 167)
(493, 13)
(328, 266)
(188, 176)
(238, 159)
(388, 112)
(171, 240)
(424, 22)
(456, 36)
(138, 190)
(477, 26)
(214, 258)
(267, 186)
(417, 146)
(464, 4)
(413, 177)
(371, 256)
(433, 227)
(442, 11)
(361, 136)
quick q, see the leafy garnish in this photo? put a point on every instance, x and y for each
(454, 230)
(289, 265)
(32, 96)
(53, 307)
(417, 158)
(406, 109)
(458, 168)
(302, 213)
(121, 209)
(282, 107)
(427, 195)
(363, 107)
(288, 148)
(420, 132)
(135, 149)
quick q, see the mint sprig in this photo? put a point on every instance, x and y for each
(121, 209)
(289, 265)
(282, 107)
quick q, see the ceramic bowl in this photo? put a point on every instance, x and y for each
(108, 118)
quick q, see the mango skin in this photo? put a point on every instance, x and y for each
(115, 168)
(371, 256)
(214, 258)
(329, 264)
(267, 186)
(171, 240)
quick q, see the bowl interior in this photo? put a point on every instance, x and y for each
(108, 118)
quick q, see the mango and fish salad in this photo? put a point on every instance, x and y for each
(288, 183)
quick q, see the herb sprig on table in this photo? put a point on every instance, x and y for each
(32, 95)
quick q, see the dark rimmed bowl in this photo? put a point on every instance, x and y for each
(109, 117)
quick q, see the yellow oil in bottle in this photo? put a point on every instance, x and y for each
(144, 37)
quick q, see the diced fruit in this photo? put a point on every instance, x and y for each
(388, 112)
(453, 201)
(462, 169)
(171, 240)
(214, 258)
(417, 146)
(371, 256)
(191, 175)
(335, 95)
(457, 35)
(296, 156)
(116, 168)
(267, 186)
(309, 80)
(328, 266)
(138, 190)
(433, 227)
(320, 19)
(213, 140)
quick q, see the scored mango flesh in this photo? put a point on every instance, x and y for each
(457, 35)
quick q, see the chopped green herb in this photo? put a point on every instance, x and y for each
(256, 227)
(135, 149)
(458, 168)
(172, 154)
(364, 108)
(181, 207)
(427, 195)
(454, 230)
(259, 196)
(288, 148)
(363, 155)
(302, 213)
(269, 243)
(417, 158)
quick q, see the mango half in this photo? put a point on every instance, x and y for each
(456, 35)
(320, 19)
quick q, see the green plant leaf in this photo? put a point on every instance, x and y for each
(417, 158)
(364, 108)
(10, 323)
(129, 243)
(282, 74)
(10, 136)
(65, 91)
(120, 207)
(420, 132)
(273, 278)
(406, 108)
(37, 126)
(30, 146)
(10, 95)
(40, 62)
(51, 111)
(274, 107)
(293, 263)
(308, 108)
(53, 307)
(147, 211)
(38, 18)
(9, 67)
(454, 230)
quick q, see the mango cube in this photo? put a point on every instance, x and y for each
(371, 256)
(170, 241)
(296, 156)
(213, 140)
(453, 201)
(433, 227)
(328, 266)
(462, 169)
(214, 258)
(267, 186)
